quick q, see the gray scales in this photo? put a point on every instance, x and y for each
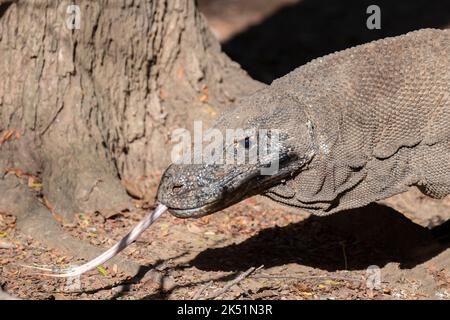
(357, 126)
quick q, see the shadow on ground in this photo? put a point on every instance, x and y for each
(352, 240)
(312, 28)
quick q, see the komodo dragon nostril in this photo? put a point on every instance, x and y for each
(177, 188)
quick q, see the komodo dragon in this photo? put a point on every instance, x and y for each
(356, 126)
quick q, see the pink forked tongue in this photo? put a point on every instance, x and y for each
(113, 251)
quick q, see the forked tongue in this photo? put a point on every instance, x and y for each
(113, 251)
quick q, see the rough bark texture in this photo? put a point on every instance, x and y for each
(92, 109)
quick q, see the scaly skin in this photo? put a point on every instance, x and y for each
(357, 126)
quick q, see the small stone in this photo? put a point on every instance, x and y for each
(7, 245)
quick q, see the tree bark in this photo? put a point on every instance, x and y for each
(90, 110)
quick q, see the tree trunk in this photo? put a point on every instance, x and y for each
(90, 110)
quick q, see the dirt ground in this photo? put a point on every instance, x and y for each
(294, 255)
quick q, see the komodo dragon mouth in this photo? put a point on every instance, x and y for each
(198, 190)
(195, 190)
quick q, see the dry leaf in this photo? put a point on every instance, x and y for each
(6, 135)
(18, 172)
(60, 260)
(34, 183)
(205, 96)
(193, 228)
(210, 110)
(162, 94)
(50, 207)
(102, 271)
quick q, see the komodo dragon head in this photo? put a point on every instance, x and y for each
(268, 123)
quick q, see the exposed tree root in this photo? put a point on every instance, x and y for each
(76, 180)
(35, 220)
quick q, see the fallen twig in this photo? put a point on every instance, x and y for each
(268, 276)
(238, 279)
(201, 290)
